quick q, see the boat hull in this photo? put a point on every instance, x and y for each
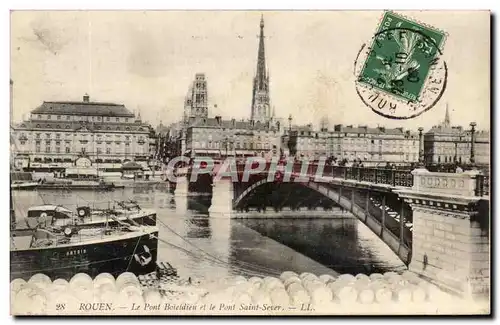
(136, 253)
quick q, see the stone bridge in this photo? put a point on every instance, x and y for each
(437, 223)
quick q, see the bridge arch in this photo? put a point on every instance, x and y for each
(391, 240)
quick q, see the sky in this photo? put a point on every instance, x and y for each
(147, 60)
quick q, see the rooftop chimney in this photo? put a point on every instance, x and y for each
(86, 98)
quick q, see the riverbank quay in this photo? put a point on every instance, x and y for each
(289, 294)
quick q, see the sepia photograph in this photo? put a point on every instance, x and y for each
(250, 162)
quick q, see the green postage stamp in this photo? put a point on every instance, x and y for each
(401, 73)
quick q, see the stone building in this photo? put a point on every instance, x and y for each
(374, 146)
(57, 133)
(220, 138)
(447, 144)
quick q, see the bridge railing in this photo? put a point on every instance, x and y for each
(388, 176)
(394, 177)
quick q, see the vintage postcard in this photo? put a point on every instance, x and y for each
(250, 163)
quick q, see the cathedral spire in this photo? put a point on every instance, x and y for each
(260, 97)
(447, 117)
(261, 59)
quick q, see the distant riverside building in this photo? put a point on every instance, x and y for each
(372, 145)
(447, 144)
(58, 133)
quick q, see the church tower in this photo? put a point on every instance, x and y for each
(196, 102)
(261, 110)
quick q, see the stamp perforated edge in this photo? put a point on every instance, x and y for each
(381, 18)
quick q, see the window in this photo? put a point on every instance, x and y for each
(68, 117)
(67, 149)
(49, 117)
(37, 149)
(108, 119)
(99, 151)
(108, 150)
(58, 117)
(39, 116)
(47, 149)
(126, 119)
(58, 149)
(58, 136)
(117, 119)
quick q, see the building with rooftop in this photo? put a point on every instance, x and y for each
(447, 144)
(218, 137)
(57, 133)
(373, 146)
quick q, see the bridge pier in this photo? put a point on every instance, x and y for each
(181, 186)
(222, 198)
(450, 231)
(181, 192)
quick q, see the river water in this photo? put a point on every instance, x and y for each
(201, 246)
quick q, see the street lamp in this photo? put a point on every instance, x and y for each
(472, 131)
(290, 123)
(420, 147)
(226, 141)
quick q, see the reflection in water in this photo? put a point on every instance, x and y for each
(199, 227)
(344, 245)
(202, 246)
